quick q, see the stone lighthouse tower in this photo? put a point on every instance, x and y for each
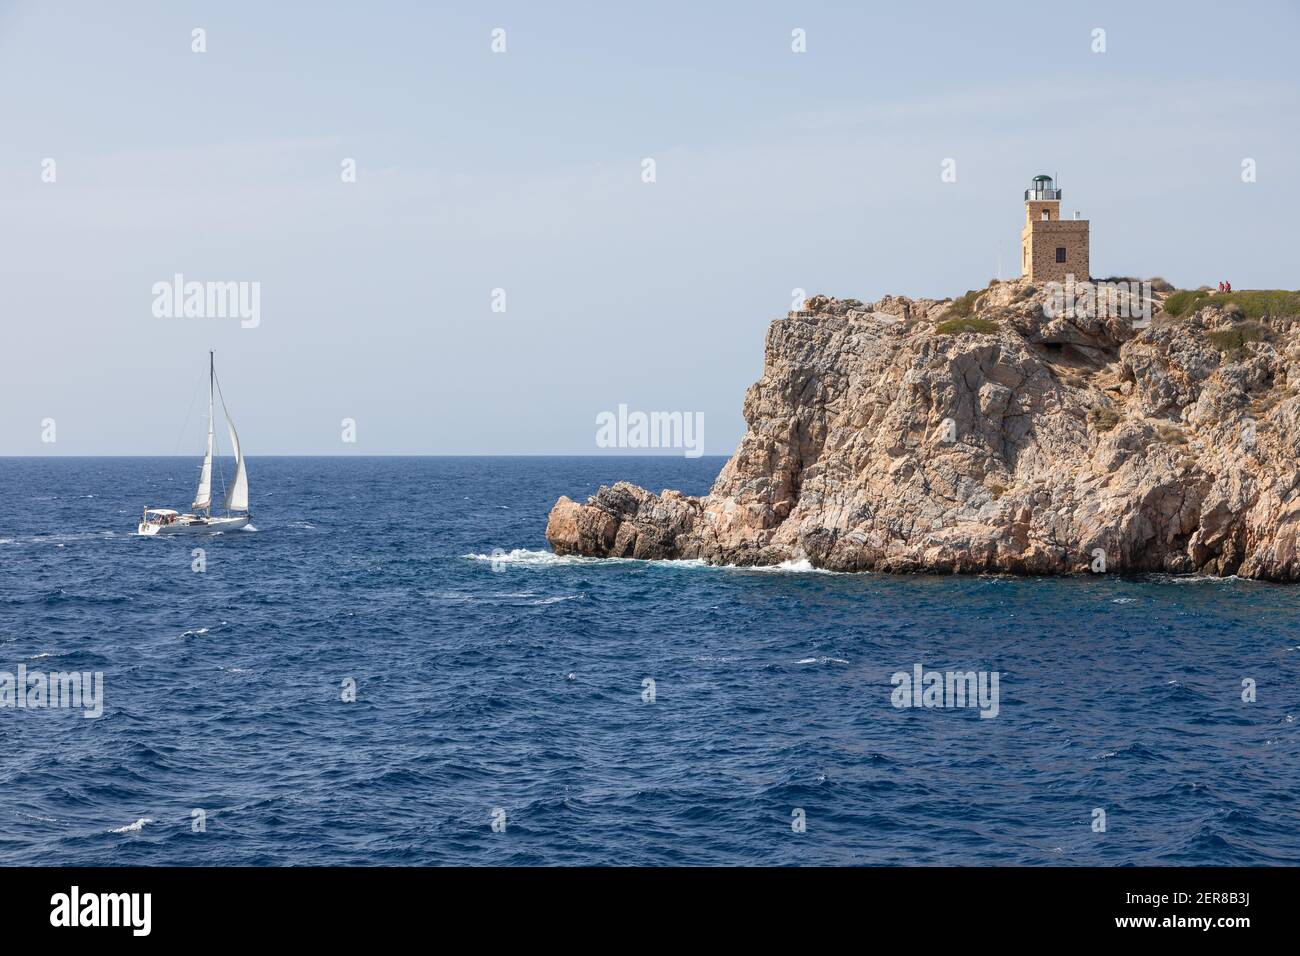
(1051, 247)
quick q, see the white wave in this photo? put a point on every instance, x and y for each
(528, 556)
(36, 816)
(198, 632)
(476, 597)
(793, 566)
(822, 660)
(801, 566)
(72, 536)
(138, 825)
(1163, 578)
(529, 598)
(531, 557)
(1123, 600)
(37, 657)
(534, 558)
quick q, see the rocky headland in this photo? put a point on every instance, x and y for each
(993, 434)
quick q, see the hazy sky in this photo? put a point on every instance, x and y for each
(522, 171)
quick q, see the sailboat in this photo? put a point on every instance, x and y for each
(201, 520)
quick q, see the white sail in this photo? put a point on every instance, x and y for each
(203, 497)
(237, 495)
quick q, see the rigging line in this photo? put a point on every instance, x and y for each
(188, 412)
(220, 396)
(221, 470)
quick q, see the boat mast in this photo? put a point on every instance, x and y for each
(211, 375)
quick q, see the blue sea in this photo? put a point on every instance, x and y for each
(601, 711)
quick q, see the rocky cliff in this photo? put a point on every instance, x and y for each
(992, 434)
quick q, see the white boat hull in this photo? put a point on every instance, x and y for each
(194, 524)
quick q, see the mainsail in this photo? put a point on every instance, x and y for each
(203, 497)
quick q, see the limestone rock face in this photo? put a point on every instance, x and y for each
(880, 439)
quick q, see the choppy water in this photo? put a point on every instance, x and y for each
(518, 684)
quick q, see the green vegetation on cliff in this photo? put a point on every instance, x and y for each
(958, 326)
(1253, 303)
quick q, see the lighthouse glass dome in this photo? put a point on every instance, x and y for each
(1040, 188)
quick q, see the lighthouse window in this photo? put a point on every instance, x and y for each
(1060, 253)
(1046, 215)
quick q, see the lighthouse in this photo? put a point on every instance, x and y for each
(1051, 247)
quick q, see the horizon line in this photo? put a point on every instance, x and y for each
(384, 455)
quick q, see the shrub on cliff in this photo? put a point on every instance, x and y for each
(1230, 340)
(963, 305)
(1180, 301)
(1170, 433)
(1103, 419)
(958, 326)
